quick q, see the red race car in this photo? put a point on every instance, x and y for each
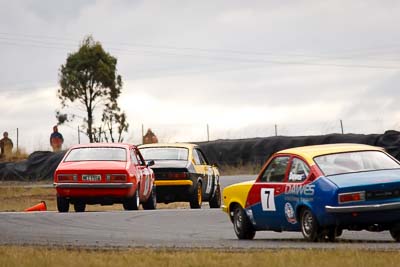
(104, 174)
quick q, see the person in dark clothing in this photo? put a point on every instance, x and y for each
(6, 146)
(56, 139)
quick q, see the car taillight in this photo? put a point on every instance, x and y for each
(351, 197)
(116, 177)
(178, 175)
(67, 178)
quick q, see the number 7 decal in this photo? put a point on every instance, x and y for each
(268, 199)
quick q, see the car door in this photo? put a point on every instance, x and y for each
(201, 169)
(208, 173)
(134, 169)
(268, 193)
(297, 189)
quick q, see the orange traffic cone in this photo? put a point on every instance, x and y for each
(38, 207)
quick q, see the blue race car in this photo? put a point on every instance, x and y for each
(320, 191)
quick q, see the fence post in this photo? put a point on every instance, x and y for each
(276, 130)
(341, 126)
(79, 135)
(142, 133)
(208, 133)
(17, 140)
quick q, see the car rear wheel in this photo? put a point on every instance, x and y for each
(242, 225)
(151, 202)
(62, 204)
(309, 226)
(197, 197)
(395, 233)
(133, 202)
(215, 201)
(79, 206)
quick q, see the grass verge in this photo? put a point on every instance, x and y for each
(240, 169)
(19, 197)
(42, 256)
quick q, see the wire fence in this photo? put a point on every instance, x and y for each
(209, 132)
(30, 140)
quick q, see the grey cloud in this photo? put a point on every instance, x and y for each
(264, 31)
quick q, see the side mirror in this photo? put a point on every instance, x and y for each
(150, 163)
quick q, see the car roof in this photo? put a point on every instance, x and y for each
(309, 152)
(120, 145)
(180, 145)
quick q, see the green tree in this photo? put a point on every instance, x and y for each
(89, 78)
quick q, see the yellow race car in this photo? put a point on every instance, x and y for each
(183, 173)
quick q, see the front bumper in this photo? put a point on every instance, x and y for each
(224, 208)
(363, 208)
(93, 185)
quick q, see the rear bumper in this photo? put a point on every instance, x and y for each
(173, 182)
(363, 208)
(93, 185)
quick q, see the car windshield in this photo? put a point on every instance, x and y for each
(164, 153)
(97, 153)
(358, 161)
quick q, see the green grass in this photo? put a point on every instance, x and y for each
(43, 256)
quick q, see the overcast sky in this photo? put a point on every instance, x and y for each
(239, 66)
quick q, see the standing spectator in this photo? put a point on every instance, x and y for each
(56, 139)
(6, 146)
(150, 137)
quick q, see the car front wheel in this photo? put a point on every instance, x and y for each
(309, 226)
(62, 204)
(79, 206)
(242, 225)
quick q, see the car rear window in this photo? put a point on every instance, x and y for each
(164, 153)
(97, 153)
(358, 161)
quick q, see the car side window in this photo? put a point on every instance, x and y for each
(202, 158)
(139, 157)
(196, 157)
(299, 171)
(134, 158)
(276, 170)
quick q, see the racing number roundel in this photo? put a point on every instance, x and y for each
(268, 199)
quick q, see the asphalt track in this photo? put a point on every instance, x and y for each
(178, 228)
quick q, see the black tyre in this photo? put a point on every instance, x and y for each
(309, 226)
(151, 202)
(197, 197)
(133, 202)
(62, 204)
(395, 233)
(331, 234)
(215, 201)
(242, 225)
(79, 206)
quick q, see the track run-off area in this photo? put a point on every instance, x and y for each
(166, 228)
